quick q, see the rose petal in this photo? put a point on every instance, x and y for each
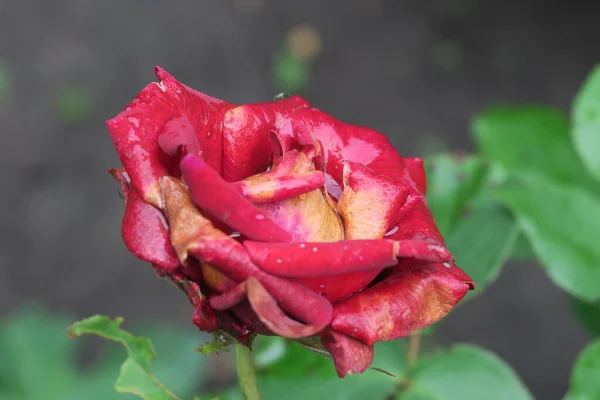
(349, 355)
(415, 221)
(292, 174)
(416, 170)
(194, 234)
(414, 296)
(278, 188)
(217, 197)
(343, 142)
(337, 258)
(246, 136)
(370, 202)
(146, 234)
(273, 317)
(176, 133)
(135, 131)
(205, 318)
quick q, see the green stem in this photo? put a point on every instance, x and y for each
(414, 346)
(246, 374)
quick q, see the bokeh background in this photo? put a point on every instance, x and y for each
(416, 71)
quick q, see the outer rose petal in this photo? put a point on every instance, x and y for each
(416, 170)
(349, 355)
(146, 234)
(414, 296)
(135, 131)
(415, 221)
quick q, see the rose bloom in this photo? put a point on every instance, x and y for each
(278, 219)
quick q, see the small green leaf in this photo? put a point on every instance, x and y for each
(482, 242)
(562, 223)
(221, 342)
(588, 314)
(585, 384)
(452, 181)
(135, 376)
(586, 122)
(465, 372)
(531, 139)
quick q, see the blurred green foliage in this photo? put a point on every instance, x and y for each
(39, 361)
(74, 104)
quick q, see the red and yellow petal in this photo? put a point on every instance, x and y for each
(415, 295)
(370, 203)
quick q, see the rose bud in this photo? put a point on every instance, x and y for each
(278, 219)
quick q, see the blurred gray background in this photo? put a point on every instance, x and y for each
(416, 71)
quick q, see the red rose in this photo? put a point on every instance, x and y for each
(276, 218)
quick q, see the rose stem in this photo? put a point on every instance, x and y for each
(414, 345)
(246, 374)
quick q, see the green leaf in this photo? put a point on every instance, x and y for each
(465, 372)
(220, 342)
(452, 182)
(482, 242)
(586, 122)
(531, 139)
(562, 223)
(588, 314)
(585, 384)
(135, 376)
(522, 250)
(37, 360)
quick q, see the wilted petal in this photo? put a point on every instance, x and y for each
(349, 355)
(205, 318)
(273, 317)
(414, 296)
